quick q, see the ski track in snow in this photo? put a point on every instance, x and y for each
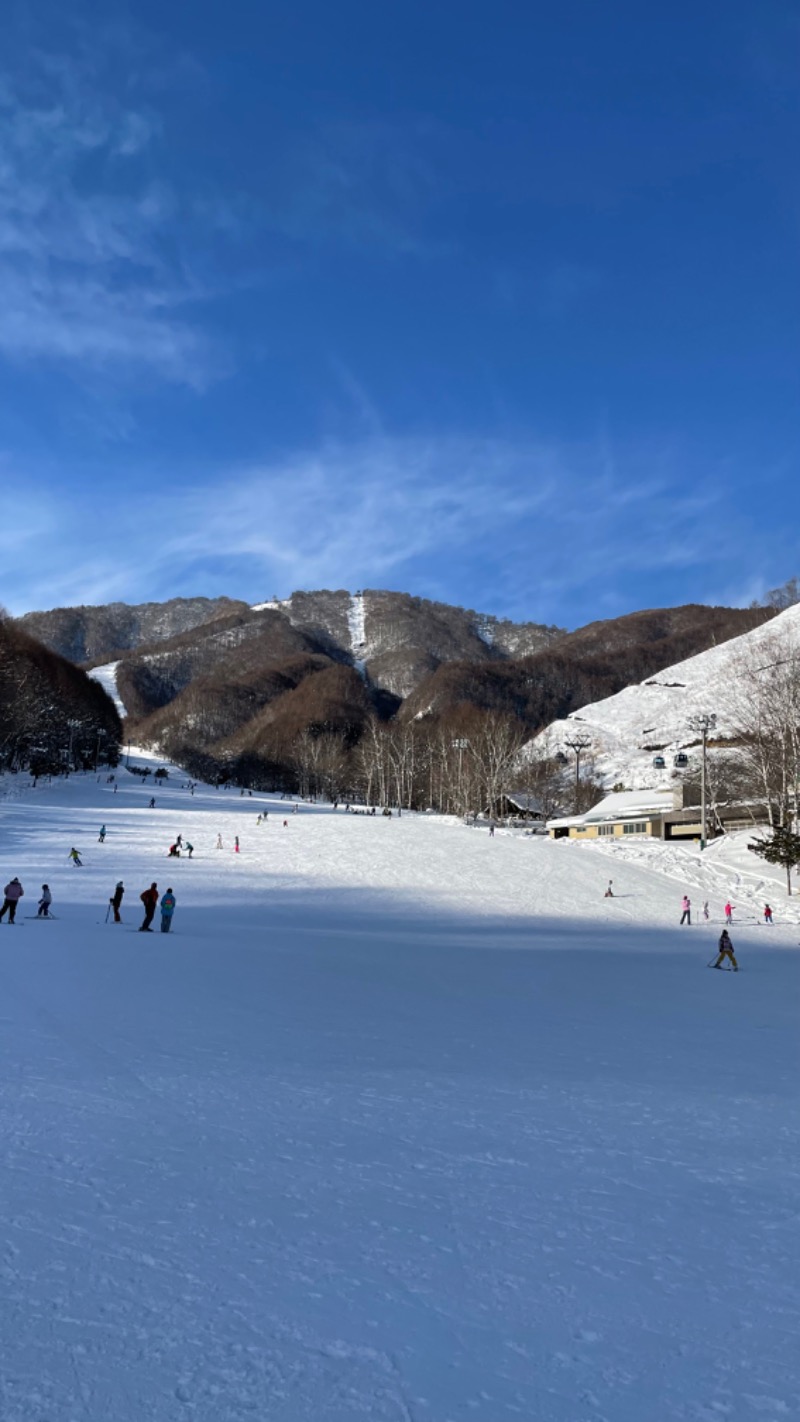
(107, 677)
(356, 617)
(401, 1123)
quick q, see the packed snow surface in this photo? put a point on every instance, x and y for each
(356, 620)
(656, 715)
(400, 1123)
(107, 677)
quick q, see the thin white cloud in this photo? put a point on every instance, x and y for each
(84, 271)
(521, 528)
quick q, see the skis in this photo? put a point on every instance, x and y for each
(45, 917)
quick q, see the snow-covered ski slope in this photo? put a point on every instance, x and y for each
(401, 1122)
(658, 712)
(107, 677)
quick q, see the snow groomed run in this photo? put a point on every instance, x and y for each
(400, 1123)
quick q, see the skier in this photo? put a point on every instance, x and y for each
(45, 901)
(729, 914)
(491, 828)
(116, 901)
(686, 907)
(167, 910)
(767, 914)
(152, 804)
(189, 849)
(174, 852)
(219, 841)
(102, 834)
(179, 841)
(609, 893)
(76, 858)
(705, 910)
(150, 899)
(258, 821)
(13, 893)
(236, 844)
(726, 951)
(286, 824)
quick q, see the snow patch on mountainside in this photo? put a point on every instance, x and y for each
(654, 717)
(107, 677)
(356, 615)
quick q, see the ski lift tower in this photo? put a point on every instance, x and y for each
(703, 723)
(578, 744)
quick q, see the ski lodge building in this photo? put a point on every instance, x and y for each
(659, 813)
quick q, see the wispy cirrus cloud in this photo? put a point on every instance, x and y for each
(524, 528)
(87, 274)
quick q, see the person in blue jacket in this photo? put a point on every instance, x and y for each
(167, 910)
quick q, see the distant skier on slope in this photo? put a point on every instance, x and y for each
(729, 914)
(767, 914)
(167, 910)
(189, 848)
(726, 951)
(102, 835)
(609, 893)
(76, 858)
(236, 844)
(152, 804)
(13, 892)
(686, 910)
(219, 841)
(705, 910)
(45, 901)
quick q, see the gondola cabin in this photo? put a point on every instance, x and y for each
(659, 762)
(681, 760)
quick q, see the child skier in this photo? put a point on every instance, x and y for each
(767, 914)
(726, 951)
(167, 910)
(45, 901)
(174, 852)
(729, 913)
(189, 848)
(686, 910)
(76, 858)
(236, 844)
(116, 901)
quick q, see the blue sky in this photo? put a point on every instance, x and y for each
(494, 303)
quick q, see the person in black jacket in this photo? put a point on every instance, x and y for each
(116, 901)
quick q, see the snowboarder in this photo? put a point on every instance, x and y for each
(13, 893)
(767, 914)
(150, 899)
(729, 914)
(189, 849)
(726, 951)
(167, 910)
(236, 844)
(686, 907)
(102, 834)
(219, 841)
(116, 901)
(705, 910)
(45, 901)
(609, 893)
(76, 858)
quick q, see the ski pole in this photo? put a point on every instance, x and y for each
(108, 910)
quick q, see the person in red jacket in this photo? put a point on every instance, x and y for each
(150, 900)
(13, 893)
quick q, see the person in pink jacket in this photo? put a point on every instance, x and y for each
(13, 893)
(686, 909)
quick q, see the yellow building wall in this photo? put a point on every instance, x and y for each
(593, 831)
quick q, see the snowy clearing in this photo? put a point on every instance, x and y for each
(107, 677)
(401, 1122)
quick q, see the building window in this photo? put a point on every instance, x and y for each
(605, 829)
(635, 827)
